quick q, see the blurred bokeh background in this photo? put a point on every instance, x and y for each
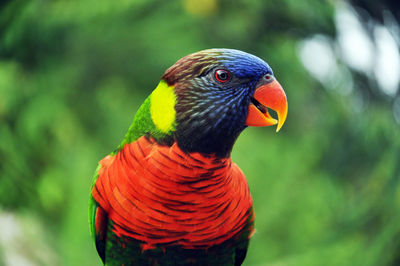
(326, 188)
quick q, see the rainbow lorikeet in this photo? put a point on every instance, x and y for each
(170, 193)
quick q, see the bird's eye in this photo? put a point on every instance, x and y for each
(269, 77)
(222, 75)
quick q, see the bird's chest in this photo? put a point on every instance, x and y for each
(160, 195)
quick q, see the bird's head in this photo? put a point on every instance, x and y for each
(207, 98)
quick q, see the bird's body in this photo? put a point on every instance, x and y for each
(170, 194)
(160, 196)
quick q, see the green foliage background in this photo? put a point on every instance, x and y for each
(73, 73)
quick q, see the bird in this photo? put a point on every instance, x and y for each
(170, 193)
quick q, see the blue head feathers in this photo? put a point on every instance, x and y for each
(213, 89)
(243, 65)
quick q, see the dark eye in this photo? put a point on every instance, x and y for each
(222, 75)
(269, 77)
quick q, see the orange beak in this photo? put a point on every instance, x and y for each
(270, 95)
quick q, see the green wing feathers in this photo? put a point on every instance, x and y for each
(98, 220)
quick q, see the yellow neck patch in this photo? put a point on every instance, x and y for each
(162, 107)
